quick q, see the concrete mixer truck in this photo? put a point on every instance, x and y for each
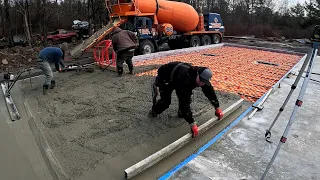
(159, 21)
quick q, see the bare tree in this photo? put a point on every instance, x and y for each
(2, 30)
(8, 22)
(23, 8)
(44, 21)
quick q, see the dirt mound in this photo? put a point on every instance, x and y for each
(18, 58)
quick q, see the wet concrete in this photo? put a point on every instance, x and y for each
(20, 141)
(243, 153)
(14, 163)
(97, 118)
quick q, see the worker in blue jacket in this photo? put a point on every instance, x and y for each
(51, 55)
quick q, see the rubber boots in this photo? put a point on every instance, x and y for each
(180, 114)
(45, 89)
(152, 113)
(120, 71)
(130, 69)
(53, 84)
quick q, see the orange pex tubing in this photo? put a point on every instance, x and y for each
(182, 16)
(235, 70)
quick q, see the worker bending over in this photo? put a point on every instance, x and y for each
(51, 55)
(183, 78)
(124, 43)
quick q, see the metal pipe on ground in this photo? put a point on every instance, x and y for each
(310, 78)
(312, 73)
(260, 104)
(166, 151)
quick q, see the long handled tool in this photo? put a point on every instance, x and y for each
(311, 56)
(77, 68)
(10, 80)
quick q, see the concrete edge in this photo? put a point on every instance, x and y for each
(53, 165)
(174, 52)
(171, 148)
(302, 59)
(38, 72)
(264, 49)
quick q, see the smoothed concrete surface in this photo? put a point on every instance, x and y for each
(244, 154)
(23, 136)
(14, 164)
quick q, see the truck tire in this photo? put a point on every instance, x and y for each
(175, 44)
(195, 41)
(146, 47)
(205, 40)
(216, 38)
(50, 42)
(74, 39)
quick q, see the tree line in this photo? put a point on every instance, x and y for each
(262, 18)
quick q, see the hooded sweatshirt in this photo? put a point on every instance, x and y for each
(124, 40)
(184, 81)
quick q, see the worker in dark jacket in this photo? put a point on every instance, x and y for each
(183, 78)
(124, 43)
(51, 55)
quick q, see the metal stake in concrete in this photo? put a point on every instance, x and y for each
(260, 104)
(298, 104)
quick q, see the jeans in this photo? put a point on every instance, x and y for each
(125, 56)
(46, 69)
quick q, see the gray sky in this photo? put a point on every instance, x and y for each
(292, 2)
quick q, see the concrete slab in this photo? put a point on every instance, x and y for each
(244, 154)
(14, 164)
(23, 136)
(99, 119)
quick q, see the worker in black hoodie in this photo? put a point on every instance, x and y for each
(183, 78)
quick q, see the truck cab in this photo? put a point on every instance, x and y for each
(147, 32)
(61, 35)
(213, 22)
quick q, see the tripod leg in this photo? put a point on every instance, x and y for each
(293, 87)
(294, 112)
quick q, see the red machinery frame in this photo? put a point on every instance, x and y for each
(101, 54)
